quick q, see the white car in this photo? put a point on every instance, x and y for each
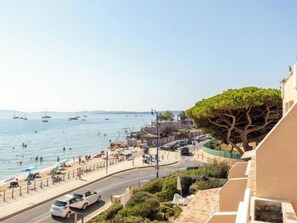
(82, 201)
(61, 207)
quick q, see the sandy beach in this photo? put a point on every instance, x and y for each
(71, 166)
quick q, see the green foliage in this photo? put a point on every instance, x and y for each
(133, 219)
(139, 197)
(170, 209)
(166, 116)
(234, 99)
(146, 207)
(239, 115)
(186, 182)
(177, 210)
(214, 144)
(108, 214)
(141, 204)
(182, 115)
(153, 186)
(168, 189)
(216, 169)
(210, 183)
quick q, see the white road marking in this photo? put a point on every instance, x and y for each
(42, 219)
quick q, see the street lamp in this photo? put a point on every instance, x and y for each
(157, 138)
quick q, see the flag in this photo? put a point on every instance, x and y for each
(178, 186)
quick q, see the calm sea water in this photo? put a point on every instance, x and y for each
(47, 139)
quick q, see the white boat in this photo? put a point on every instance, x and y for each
(24, 117)
(15, 116)
(46, 115)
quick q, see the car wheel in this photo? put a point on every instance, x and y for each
(84, 206)
(99, 199)
(68, 214)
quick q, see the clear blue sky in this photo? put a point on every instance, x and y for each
(137, 55)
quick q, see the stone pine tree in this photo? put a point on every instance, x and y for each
(166, 116)
(239, 116)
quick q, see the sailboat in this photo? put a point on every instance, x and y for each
(24, 117)
(46, 115)
(15, 116)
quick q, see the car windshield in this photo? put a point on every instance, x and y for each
(77, 196)
(60, 203)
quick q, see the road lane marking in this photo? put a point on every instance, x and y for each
(42, 219)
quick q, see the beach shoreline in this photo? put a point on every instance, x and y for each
(70, 166)
(47, 140)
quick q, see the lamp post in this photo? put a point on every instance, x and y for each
(157, 138)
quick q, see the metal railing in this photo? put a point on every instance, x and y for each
(220, 153)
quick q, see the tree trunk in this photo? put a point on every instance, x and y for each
(236, 147)
(245, 143)
(232, 147)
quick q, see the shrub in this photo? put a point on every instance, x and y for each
(108, 214)
(193, 188)
(134, 219)
(186, 182)
(168, 189)
(152, 204)
(177, 211)
(211, 183)
(216, 169)
(153, 186)
(167, 210)
(142, 204)
(139, 197)
(215, 145)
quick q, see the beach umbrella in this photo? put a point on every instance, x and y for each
(64, 161)
(54, 170)
(30, 168)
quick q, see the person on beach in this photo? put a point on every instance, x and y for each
(79, 159)
(58, 159)
(28, 182)
(41, 159)
(78, 173)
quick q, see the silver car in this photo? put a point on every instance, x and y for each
(61, 207)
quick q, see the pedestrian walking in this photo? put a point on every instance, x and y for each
(77, 173)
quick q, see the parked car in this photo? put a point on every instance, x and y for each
(172, 146)
(185, 151)
(190, 141)
(183, 142)
(61, 207)
(192, 167)
(82, 201)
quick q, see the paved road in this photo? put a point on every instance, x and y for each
(110, 186)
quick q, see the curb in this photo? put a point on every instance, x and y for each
(76, 188)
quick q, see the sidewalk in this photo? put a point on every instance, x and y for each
(28, 201)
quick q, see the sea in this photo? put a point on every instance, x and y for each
(21, 141)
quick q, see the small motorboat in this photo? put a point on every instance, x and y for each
(73, 118)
